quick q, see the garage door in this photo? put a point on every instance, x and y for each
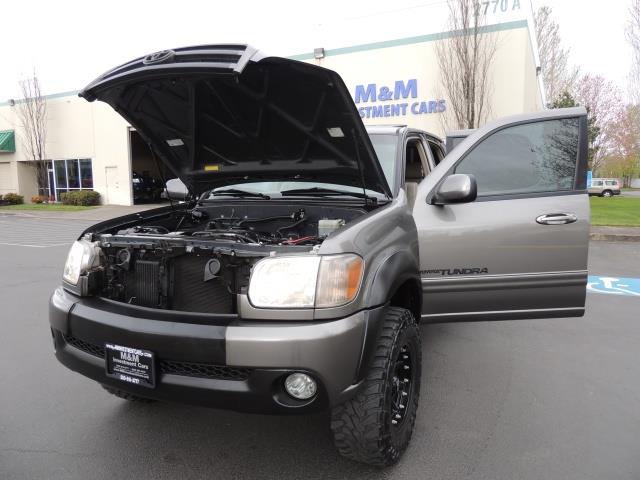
(6, 185)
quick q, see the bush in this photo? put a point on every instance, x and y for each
(67, 198)
(39, 199)
(80, 197)
(13, 198)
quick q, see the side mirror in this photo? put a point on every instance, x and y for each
(176, 190)
(456, 188)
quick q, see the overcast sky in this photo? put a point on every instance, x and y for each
(71, 42)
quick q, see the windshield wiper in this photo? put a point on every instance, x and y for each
(327, 192)
(234, 192)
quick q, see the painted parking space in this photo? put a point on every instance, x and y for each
(614, 285)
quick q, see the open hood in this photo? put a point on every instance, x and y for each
(223, 114)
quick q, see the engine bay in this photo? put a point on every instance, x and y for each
(200, 259)
(237, 224)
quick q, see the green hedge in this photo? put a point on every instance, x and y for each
(13, 198)
(80, 197)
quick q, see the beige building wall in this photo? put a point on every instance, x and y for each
(111, 162)
(7, 175)
(78, 129)
(513, 77)
(8, 167)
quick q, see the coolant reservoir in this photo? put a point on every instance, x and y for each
(327, 226)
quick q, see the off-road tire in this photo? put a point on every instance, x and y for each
(127, 396)
(607, 193)
(362, 427)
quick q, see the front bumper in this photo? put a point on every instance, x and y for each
(217, 361)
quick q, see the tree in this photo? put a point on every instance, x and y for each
(624, 161)
(465, 59)
(554, 59)
(633, 37)
(566, 100)
(32, 112)
(603, 101)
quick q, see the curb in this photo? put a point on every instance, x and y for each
(614, 237)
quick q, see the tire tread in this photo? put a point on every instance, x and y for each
(358, 424)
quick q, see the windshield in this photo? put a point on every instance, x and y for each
(384, 146)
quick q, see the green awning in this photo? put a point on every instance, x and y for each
(7, 141)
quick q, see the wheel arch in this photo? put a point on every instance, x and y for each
(396, 282)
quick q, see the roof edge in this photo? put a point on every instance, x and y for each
(431, 37)
(69, 93)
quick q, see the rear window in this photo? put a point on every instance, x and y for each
(611, 182)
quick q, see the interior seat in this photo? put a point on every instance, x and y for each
(414, 174)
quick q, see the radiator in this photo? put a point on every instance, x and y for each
(192, 294)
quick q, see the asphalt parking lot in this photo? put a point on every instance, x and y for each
(553, 398)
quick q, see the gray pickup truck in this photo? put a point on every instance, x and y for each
(295, 275)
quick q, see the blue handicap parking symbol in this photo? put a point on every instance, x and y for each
(614, 285)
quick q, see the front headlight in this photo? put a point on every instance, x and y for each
(305, 281)
(83, 256)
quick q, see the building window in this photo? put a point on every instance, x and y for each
(70, 174)
(86, 174)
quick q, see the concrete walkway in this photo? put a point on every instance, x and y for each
(616, 234)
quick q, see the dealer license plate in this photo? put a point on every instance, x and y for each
(130, 365)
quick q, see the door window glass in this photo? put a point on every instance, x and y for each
(529, 158)
(437, 152)
(72, 174)
(86, 173)
(61, 175)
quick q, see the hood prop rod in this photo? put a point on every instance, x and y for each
(367, 199)
(162, 177)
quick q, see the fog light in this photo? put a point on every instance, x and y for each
(300, 386)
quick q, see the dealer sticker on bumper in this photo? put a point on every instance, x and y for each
(130, 365)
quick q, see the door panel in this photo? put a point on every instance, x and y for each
(520, 249)
(520, 264)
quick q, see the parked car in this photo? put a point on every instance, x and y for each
(455, 137)
(604, 187)
(146, 188)
(294, 277)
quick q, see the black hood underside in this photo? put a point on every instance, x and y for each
(218, 115)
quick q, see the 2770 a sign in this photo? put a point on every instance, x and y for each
(496, 6)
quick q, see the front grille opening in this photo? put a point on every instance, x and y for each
(203, 370)
(178, 283)
(172, 367)
(95, 350)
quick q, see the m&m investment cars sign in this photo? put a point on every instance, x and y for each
(394, 101)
